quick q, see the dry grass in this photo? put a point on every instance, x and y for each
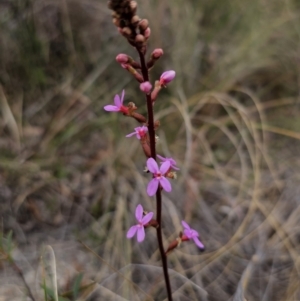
(230, 120)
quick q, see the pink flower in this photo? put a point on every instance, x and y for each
(167, 77)
(118, 107)
(191, 234)
(142, 221)
(171, 160)
(140, 132)
(146, 87)
(158, 176)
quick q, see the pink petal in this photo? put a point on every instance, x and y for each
(152, 187)
(161, 158)
(131, 231)
(166, 185)
(140, 234)
(131, 134)
(147, 218)
(175, 168)
(122, 96)
(194, 233)
(111, 108)
(152, 165)
(139, 212)
(117, 101)
(198, 243)
(187, 233)
(185, 225)
(165, 167)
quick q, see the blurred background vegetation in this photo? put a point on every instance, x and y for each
(68, 174)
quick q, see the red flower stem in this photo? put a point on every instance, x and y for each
(151, 132)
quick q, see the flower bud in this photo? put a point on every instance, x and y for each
(116, 22)
(122, 58)
(143, 25)
(167, 77)
(133, 6)
(135, 20)
(126, 31)
(157, 53)
(147, 33)
(146, 87)
(139, 39)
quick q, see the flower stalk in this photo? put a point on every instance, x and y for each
(137, 33)
(151, 131)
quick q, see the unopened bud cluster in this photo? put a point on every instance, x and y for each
(129, 24)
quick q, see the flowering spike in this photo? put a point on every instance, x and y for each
(189, 233)
(158, 177)
(142, 222)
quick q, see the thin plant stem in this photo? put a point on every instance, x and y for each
(151, 131)
(21, 275)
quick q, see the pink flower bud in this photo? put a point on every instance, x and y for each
(146, 87)
(147, 33)
(157, 53)
(167, 77)
(122, 58)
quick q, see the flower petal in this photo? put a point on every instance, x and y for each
(132, 231)
(117, 101)
(187, 233)
(122, 96)
(198, 243)
(152, 165)
(165, 167)
(147, 218)
(140, 234)
(131, 134)
(194, 233)
(111, 108)
(166, 185)
(185, 225)
(152, 187)
(161, 158)
(139, 212)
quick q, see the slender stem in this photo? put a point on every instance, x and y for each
(151, 131)
(21, 275)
